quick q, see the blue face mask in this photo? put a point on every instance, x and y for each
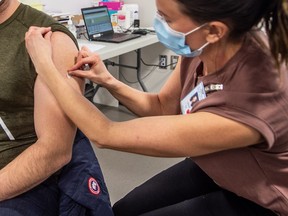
(175, 40)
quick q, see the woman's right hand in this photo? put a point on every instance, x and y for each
(96, 72)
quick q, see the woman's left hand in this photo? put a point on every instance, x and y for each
(38, 44)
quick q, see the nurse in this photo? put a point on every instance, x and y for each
(234, 136)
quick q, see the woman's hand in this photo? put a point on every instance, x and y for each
(38, 44)
(96, 72)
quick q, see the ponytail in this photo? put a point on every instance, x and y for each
(276, 26)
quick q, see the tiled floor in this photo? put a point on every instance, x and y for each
(125, 171)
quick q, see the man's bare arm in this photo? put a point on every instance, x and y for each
(54, 129)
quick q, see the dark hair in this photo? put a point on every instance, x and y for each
(242, 16)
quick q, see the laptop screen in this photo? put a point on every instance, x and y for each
(97, 20)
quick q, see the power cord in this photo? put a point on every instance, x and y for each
(154, 65)
(134, 82)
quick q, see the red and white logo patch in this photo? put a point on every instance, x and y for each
(94, 186)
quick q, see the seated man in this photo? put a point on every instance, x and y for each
(36, 137)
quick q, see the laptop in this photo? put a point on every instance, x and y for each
(99, 27)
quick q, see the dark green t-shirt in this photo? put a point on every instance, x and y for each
(17, 78)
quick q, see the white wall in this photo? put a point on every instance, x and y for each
(66, 6)
(147, 7)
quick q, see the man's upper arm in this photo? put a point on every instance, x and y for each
(52, 126)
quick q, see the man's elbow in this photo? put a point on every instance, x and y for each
(56, 157)
(64, 159)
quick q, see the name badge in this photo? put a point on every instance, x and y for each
(197, 94)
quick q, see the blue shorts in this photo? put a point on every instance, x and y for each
(82, 184)
(79, 190)
(42, 200)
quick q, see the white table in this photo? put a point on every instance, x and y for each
(109, 50)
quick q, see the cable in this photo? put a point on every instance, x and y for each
(134, 82)
(111, 63)
(85, 35)
(142, 61)
(149, 65)
(148, 74)
(171, 64)
(150, 31)
(124, 30)
(154, 65)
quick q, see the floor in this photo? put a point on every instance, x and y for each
(124, 171)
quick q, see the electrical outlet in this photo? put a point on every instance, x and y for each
(136, 23)
(173, 61)
(163, 61)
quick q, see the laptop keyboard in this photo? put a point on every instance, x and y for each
(118, 35)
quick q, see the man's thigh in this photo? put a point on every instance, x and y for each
(40, 201)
